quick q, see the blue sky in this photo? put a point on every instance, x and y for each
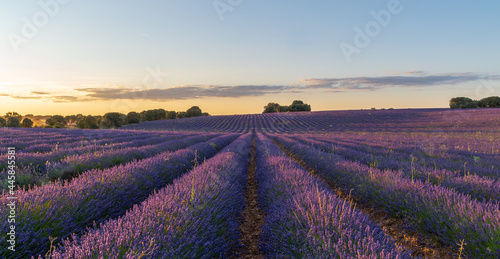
(92, 57)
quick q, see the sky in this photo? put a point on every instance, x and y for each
(235, 56)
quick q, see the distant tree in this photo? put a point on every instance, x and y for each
(194, 111)
(490, 102)
(3, 122)
(282, 108)
(148, 115)
(56, 119)
(181, 115)
(13, 122)
(133, 117)
(205, 114)
(29, 115)
(463, 103)
(27, 123)
(70, 118)
(298, 106)
(160, 114)
(152, 115)
(171, 115)
(113, 120)
(13, 114)
(88, 122)
(271, 107)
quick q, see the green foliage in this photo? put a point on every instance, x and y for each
(13, 122)
(88, 122)
(56, 119)
(3, 122)
(27, 123)
(299, 106)
(133, 117)
(194, 111)
(71, 118)
(13, 114)
(490, 102)
(171, 115)
(271, 107)
(181, 115)
(296, 106)
(282, 109)
(468, 103)
(113, 120)
(152, 115)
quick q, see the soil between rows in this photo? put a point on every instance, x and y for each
(422, 244)
(252, 217)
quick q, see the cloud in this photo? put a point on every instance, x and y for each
(413, 79)
(39, 93)
(182, 92)
(96, 92)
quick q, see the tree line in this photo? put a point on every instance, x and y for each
(468, 103)
(296, 106)
(108, 120)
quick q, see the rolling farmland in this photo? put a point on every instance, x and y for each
(420, 183)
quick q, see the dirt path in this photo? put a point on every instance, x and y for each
(253, 217)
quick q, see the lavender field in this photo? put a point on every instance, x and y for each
(417, 183)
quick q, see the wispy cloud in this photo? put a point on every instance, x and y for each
(96, 92)
(413, 79)
(182, 92)
(39, 93)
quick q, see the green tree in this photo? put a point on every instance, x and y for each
(490, 102)
(3, 122)
(299, 106)
(271, 107)
(113, 120)
(71, 118)
(181, 115)
(88, 122)
(27, 123)
(56, 119)
(160, 114)
(13, 114)
(171, 115)
(194, 111)
(133, 117)
(282, 109)
(13, 122)
(462, 103)
(148, 115)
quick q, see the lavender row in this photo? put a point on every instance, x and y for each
(479, 187)
(449, 215)
(195, 217)
(306, 220)
(38, 161)
(483, 164)
(62, 208)
(72, 166)
(68, 139)
(63, 136)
